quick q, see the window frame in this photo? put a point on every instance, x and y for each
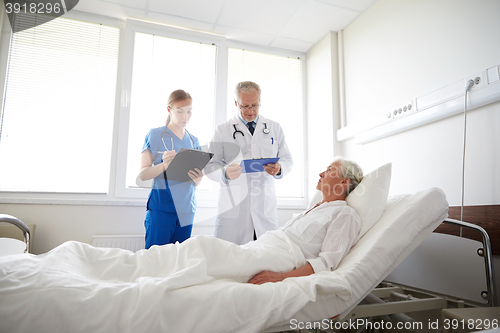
(118, 194)
(27, 197)
(131, 27)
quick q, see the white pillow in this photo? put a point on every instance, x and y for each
(369, 198)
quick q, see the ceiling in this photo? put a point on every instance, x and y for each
(286, 24)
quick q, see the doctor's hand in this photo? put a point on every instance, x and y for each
(233, 171)
(196, 175)
(267, 276)
(272, 169)
(167, 157)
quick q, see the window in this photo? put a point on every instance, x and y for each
(58, 128)
(280, 79)
(58, 107)
(160, 66)
(158, 60)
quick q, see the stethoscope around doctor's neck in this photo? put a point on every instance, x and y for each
(265, 130)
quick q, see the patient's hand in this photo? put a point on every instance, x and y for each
(267, 276)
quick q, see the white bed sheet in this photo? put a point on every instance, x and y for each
(72, 300)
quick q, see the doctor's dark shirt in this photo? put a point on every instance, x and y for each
(168, 195)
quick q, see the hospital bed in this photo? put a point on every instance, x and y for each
(411, 294)
(72, 299)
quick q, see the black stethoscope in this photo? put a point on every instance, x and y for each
(265, 130)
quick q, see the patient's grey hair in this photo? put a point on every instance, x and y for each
(245, 86)
(351, 170)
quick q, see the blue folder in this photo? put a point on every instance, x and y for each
(257, 164)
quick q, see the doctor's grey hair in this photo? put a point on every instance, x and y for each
(246, 86)
(351, 170)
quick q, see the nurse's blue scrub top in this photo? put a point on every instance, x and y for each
(168, 195)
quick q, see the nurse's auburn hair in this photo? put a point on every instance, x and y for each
(177, 96)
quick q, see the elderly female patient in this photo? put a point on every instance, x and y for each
(314, 241)
(326, 232)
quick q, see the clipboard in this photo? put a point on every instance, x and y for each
(185, 160)
(257, 164)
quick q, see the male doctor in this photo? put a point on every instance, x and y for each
(247, 200)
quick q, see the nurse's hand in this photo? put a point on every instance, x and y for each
(196, 175)
(167, 157)
(272, 169)
(233, 171)
(267, 276)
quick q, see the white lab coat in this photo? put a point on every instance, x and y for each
(249, 202)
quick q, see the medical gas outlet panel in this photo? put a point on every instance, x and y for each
(442, 103)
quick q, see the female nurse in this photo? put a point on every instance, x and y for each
(171, 204)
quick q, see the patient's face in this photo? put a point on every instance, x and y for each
(330, 180)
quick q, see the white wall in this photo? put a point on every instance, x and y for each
(401, 50)
(56, 224)
(322, 107)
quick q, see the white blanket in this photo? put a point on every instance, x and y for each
(197, 286)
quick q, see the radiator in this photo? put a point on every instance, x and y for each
(127, 242)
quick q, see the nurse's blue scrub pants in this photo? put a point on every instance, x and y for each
(164, 228)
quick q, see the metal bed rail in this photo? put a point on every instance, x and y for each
(390, 301)
(21, 225)
(487, 254)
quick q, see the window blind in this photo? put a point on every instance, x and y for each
(58, 106)
(281, 81)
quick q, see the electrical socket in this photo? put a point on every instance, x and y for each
(478, 80)
(404, 110)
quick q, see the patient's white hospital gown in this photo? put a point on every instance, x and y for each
(322, 237)
(326, 234)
